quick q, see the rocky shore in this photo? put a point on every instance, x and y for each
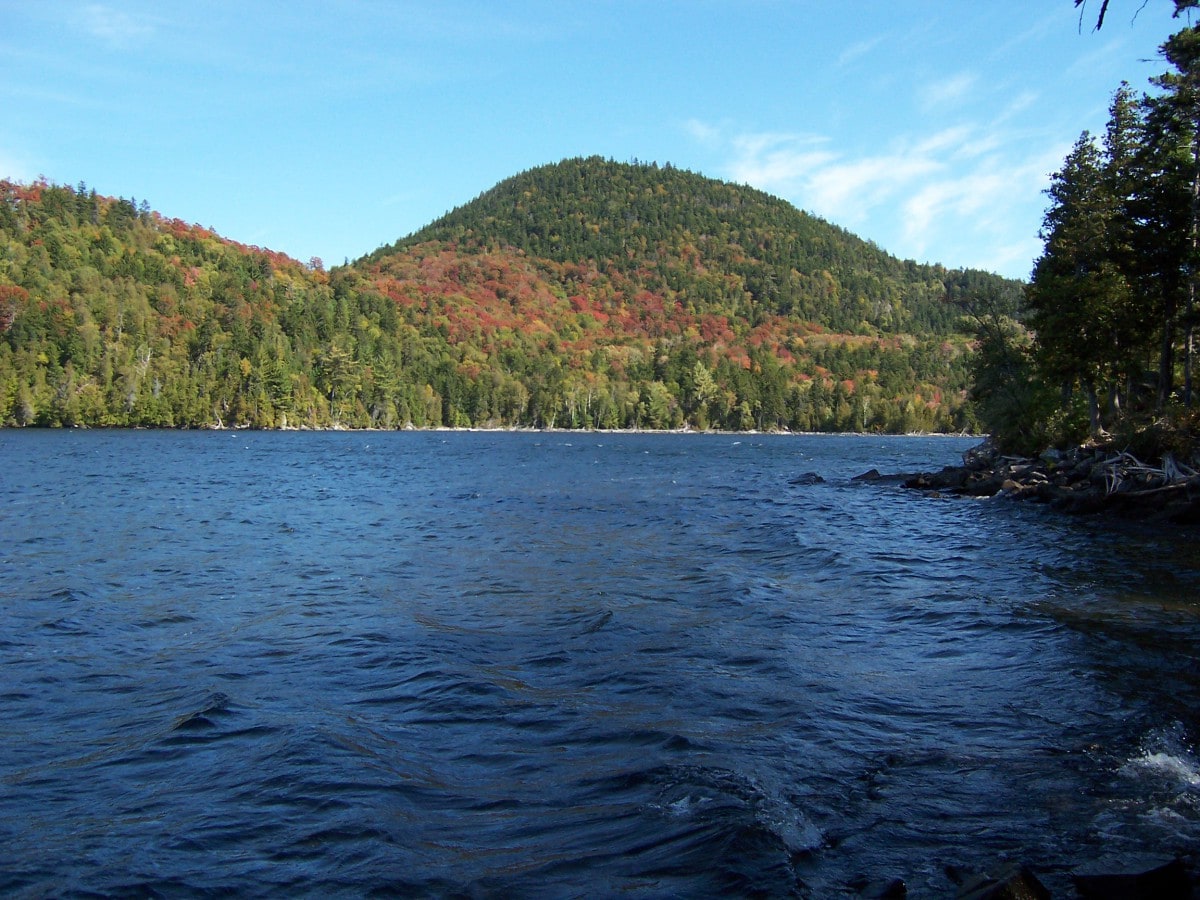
(1081, 480)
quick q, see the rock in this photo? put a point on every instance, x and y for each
(1052, 458)
(1081, 481)
(1151, 879)
(874, 476)
(888, 889)
(983, 456)
(1014, 883)
(1044, 491)
(984, 484)
(950, 478)
(807, 478)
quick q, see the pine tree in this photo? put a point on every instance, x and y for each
(1181, 103)
(1078, 293)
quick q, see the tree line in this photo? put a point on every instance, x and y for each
(1106, 339)
(588, 294)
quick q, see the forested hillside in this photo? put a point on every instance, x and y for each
(720, 248)
(582, 294)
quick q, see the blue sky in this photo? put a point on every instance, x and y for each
(330, 128)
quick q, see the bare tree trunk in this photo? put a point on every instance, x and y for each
(1192, 268)
(1095, 426)
(1166, 358)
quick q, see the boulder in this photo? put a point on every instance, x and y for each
(807, 478)
(984, 484)
(982, 456)
(883, 889)
(1052, 458)
(1139, 879)
(1013, 883)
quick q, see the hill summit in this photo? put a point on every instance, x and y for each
(717, 246)
(587, 293)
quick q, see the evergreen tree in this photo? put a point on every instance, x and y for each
(1180, 104)
(1078, 294)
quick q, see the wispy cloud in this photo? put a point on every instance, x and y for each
(832, 184)
(953, 90)
(857, 51)
(703, 132)
(1023, 101)
(856, 187)
(1054, 21)
(781, 162)
(1092, 61)
(13, 168)
(965, 195)
(113, 26)
(455, 22)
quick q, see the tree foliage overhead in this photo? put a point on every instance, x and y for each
(583, 294)
(1102, 8)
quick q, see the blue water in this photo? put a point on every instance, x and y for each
(570, 665)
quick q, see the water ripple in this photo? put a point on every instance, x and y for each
(269, 664)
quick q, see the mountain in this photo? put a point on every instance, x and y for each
(714, 246)
(586, 293)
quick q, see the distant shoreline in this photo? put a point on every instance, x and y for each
(498, 430)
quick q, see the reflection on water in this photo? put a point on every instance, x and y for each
(555, 664)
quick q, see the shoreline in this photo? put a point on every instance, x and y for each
(496, 430)
(1080, 481)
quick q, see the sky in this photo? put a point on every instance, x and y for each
(328, 129)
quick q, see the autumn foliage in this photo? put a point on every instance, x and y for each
(586, 294)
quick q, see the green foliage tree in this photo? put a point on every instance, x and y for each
(584, 294)
(1078, 293)
(1112, 302)
(1180, 104)
(1012, 398)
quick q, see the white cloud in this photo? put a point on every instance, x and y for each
(983, 202)
(965, 195)
(113, 26)
(843, 190)
(778, 162)
(849, 191)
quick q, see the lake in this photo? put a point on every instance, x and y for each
(568, 664)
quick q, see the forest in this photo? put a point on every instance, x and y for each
(583, 294)
(1102, 348)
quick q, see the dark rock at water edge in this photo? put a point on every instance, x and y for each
(1134, 880)
(880, 889)
(1080, 480)
(1013, 883)
(873, 476)
(1116, 878)
(807, 478)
